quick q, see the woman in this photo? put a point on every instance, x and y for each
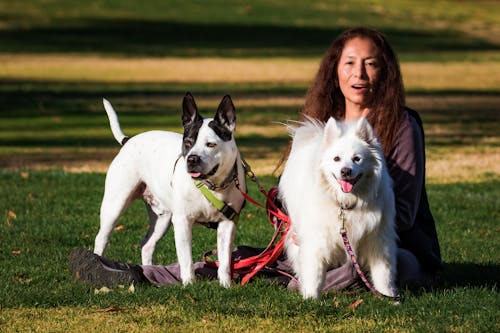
(359, 76)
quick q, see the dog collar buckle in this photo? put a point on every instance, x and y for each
(209, 185)
(220, 205)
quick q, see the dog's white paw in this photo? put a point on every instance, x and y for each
(225, 280)
(309, 293)
(390, 292)
(187, 282)
(187, 279)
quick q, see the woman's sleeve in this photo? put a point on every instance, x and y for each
(406, 164)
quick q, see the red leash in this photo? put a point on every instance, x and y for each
(271, 253)
(249, 267)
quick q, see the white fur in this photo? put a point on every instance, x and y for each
(150, 166)
(312, 195)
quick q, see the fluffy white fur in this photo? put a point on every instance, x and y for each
(332, 166)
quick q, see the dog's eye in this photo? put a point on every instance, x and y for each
(211, 145)
(356, 159)
(188, 144)
(336, 159)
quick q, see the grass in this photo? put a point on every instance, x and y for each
(233, 28)
(418, 76)
(56, 211)
(59, 59)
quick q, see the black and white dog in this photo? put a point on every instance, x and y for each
(161, 167)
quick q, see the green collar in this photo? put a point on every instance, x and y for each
(221, 206)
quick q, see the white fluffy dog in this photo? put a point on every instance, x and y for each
(333, 167)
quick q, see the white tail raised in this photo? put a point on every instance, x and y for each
(113, 123)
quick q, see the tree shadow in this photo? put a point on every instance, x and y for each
(469, 275)
(131, 38)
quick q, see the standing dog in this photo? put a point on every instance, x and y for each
(161, 167)
(336, 168)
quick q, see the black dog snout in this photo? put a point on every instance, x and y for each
(346, 172)
(193, 159)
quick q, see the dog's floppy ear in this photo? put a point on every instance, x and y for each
(189, 110)
(364, 131)
(332, 131)
(226, 113)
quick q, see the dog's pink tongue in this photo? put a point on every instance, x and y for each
(346, 186)
(195, 174)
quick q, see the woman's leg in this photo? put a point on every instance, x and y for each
(410, 272)
(171, 274)
(338, 278)
(100, 271)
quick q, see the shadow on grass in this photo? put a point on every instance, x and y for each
(453, 124)
(469, 275)
(162, 38)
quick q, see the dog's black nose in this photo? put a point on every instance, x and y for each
(346, 172)
(193, 159)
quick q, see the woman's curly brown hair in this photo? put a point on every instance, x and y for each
(324, 98)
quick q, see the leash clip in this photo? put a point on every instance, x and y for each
(342, 219)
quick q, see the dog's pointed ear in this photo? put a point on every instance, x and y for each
(226, 113)
(189, 110)
(364, 131)
(332, 131)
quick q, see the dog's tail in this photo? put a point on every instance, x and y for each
(113, 123)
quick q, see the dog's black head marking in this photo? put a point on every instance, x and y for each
(189, 110)
(225, 119)
(223, 124)
(192, 121)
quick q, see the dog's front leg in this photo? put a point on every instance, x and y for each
(225, 239)
(312, 271)
(382, 271)
(183, 239)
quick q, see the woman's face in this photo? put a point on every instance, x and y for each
(358, 71)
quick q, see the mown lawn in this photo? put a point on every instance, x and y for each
(56, 211)
(60, 58)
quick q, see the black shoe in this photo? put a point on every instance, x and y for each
(98, 271)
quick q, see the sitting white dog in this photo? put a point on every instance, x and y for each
(332, 168)
(162, 167)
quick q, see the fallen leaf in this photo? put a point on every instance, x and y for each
(22, 279)
(15, 251)
(103, 290)
(111, 309)
(191, 299)
(24, 175)
(336, 303)
(119, 227)
(355, 304)
(10, 216)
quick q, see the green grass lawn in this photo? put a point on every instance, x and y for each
(54, 122)
(56, 211)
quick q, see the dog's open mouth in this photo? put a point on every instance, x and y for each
(198, 175)
(348, 184)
